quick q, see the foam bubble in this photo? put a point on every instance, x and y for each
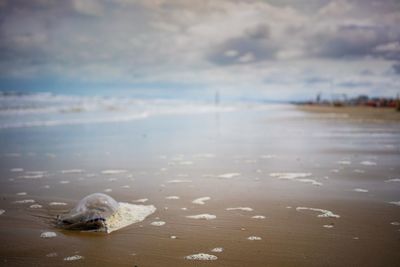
(21, 194)
(393, 180)
(16, 170)
(173, 237)
(71, 171)
(328, 226)
(48, 235)
(186, 163)
(254, 238)
(368, 163)
(204, 216)
(128, 214)
(397, 203)
(395, 223)
(177, 181)
(360, 190)
(228, 175)
(217, 250)
(241, 208)
(204, 155)
(52, 255)
(24, 201)
(64, 182)
(57, 204)
(200, 201)
(110, 172)
(141, 200)
(325, 213)
(290, 175)
(74, 258)
(311, 181)
(32, 176)
(344, 162)
(36, 206)
(359, 171)
(158, 223)
(2, 212)
(261, 217)
(202, 257)
(172, 197)
(107, 190)
(267, 156)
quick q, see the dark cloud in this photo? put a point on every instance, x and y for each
(317, 80)
(349, 41)
(396, 68)
(352, 84)
(254, 45)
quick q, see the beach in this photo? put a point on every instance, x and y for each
(244, 184)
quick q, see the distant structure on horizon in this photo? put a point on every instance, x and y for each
(341, 100)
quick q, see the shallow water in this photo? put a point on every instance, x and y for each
(227, 157)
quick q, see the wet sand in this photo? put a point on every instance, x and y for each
(231, 158)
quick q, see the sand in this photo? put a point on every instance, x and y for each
(290, 222)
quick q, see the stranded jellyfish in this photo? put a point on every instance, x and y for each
(91, 213)
(100, 212)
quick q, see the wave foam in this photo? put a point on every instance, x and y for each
(204, 216)
(201, 257)
(200, 201)
(325, 213)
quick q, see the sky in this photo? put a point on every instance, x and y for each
(271, 49)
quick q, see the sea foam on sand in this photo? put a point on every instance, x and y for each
(204, 216)
(200, 201)
(241, 208)
(325, 213)
(296, 176)
(360, 190)
(393, 180)
(57, 204)
(24, 201)
(290, 175)
(158, 223)
(16, 170)
(109, 172)
(71, 171)
(258, 217)
(2, 212)
(128, 214)
(141, 200)
(254, 238)
(228, 175)
(217, 250)
(202, 257)
(177, 181)
(368, 163)
(172, 197)
(397, 203)
(48, 235)
(74, 258)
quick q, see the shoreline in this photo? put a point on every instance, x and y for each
(355, 113)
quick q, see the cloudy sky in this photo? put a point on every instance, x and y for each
(273, 49)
